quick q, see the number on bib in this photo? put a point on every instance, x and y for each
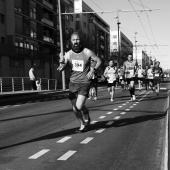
(78, 65)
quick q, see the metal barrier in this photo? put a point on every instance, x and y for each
(12, 84)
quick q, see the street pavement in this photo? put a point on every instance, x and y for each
(38, 132)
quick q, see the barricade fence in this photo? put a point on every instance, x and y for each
(13, 84)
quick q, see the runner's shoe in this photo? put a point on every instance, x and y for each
(95, 97)
(111, 100)
(133, 97)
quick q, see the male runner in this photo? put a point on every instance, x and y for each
(150, 77)
(129, 70)
(110, 73)
(140, 73)
(157, 72)
(79, 59)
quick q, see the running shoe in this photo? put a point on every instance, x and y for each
(95, 98)
(90, 98)
(84, 129)
(111, 100)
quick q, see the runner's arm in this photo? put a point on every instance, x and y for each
(64, 62)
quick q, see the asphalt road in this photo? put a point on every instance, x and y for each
(39, 133)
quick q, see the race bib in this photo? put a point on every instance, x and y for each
(156, 74)
(78, 65)
(131, 72)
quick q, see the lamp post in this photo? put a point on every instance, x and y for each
(136, 48)
(118, 23)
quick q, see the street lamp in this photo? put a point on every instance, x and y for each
(136, 48)
(118, 23)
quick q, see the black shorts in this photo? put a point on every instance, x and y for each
(93, 82)
(128, 80)
(150, 80)
(111, 84)
(156, 81)
(140, 78)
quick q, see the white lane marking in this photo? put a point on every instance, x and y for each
(131, 107)
(110, 123)
(67, 155)
(120, 106)
(102, 117)
(117, 117)
(127, 102)
(4, 107)
(109, 113)
(100, 131)
(87, 140)
(134, 104)
(127, 109)
(124, 104)
(140, 99)
(64, 139)
(93, 122)
(115, 109)
(38, 154)
(16, 105)
(123, 113)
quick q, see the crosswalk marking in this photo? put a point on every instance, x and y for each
(67, 155)
(100, 131)
(87, 140)
(38, 154)
(64, 139)
(117, 117)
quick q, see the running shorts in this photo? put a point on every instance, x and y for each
(111, 84)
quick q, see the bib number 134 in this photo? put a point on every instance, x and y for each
(77, 65)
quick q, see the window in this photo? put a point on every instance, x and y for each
(33, 13)
(2, 40)
(77, 16)
(2, 18)
(84, 25)
(84, 13)
(71, 4)
(71, 17)
(77, 25)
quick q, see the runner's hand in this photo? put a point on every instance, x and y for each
(60, 68)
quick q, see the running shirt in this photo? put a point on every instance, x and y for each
(80, 65)
(140, 73)
(149, 74)
(110, 73)
(129, 68)
(120, 73)
(157, 72)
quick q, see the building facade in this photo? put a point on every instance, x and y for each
(123, 44)
(29, 33)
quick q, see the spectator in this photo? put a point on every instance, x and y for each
(33, 78)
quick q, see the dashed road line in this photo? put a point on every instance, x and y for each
(122, 113)
(108, 113)
(120, 106)
(110, 123)
(117, 117)
(67, 155)
(4, 107)
(93, 122)
(115, 109)
(100, 131)
(87, 140)
(102, 117)
(64, 139)
(38, 154)
(131, 107)
(124, 104)
(134, 104)
(127, 110)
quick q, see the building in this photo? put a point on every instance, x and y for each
(123, 44)
(29, 33)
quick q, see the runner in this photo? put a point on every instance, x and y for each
(129, 70)
(121, 78)
(140, 73)
(150, 77)
(110, 73)
(157, 72)
(79, 59)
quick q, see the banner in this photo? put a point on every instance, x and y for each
(77, 6)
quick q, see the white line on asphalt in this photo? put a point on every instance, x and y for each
(134, 104)
(117, 117)
(38, 154)
(87, 140)
(16, 105)
(131, 107)
(122, 113)
(124, 104)
(4, 107)
(115, 109)
(93, 122)
(110, 123)
(120, 106)
(127, 102)
(127, 109)
(64, 139)
(100, 131)
(108, 113)
(66, 155)
(102, 117)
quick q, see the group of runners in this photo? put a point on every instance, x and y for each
(83, 80)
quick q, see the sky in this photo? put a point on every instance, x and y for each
(152, 27)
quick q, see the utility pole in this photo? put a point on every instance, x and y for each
(61, 43)
(118, 23)
(136, 48)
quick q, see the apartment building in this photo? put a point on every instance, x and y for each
(29, 33)
(123, 44)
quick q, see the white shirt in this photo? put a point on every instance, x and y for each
(31, 74)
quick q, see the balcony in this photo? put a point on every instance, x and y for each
(48, 22)
(48, 4)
